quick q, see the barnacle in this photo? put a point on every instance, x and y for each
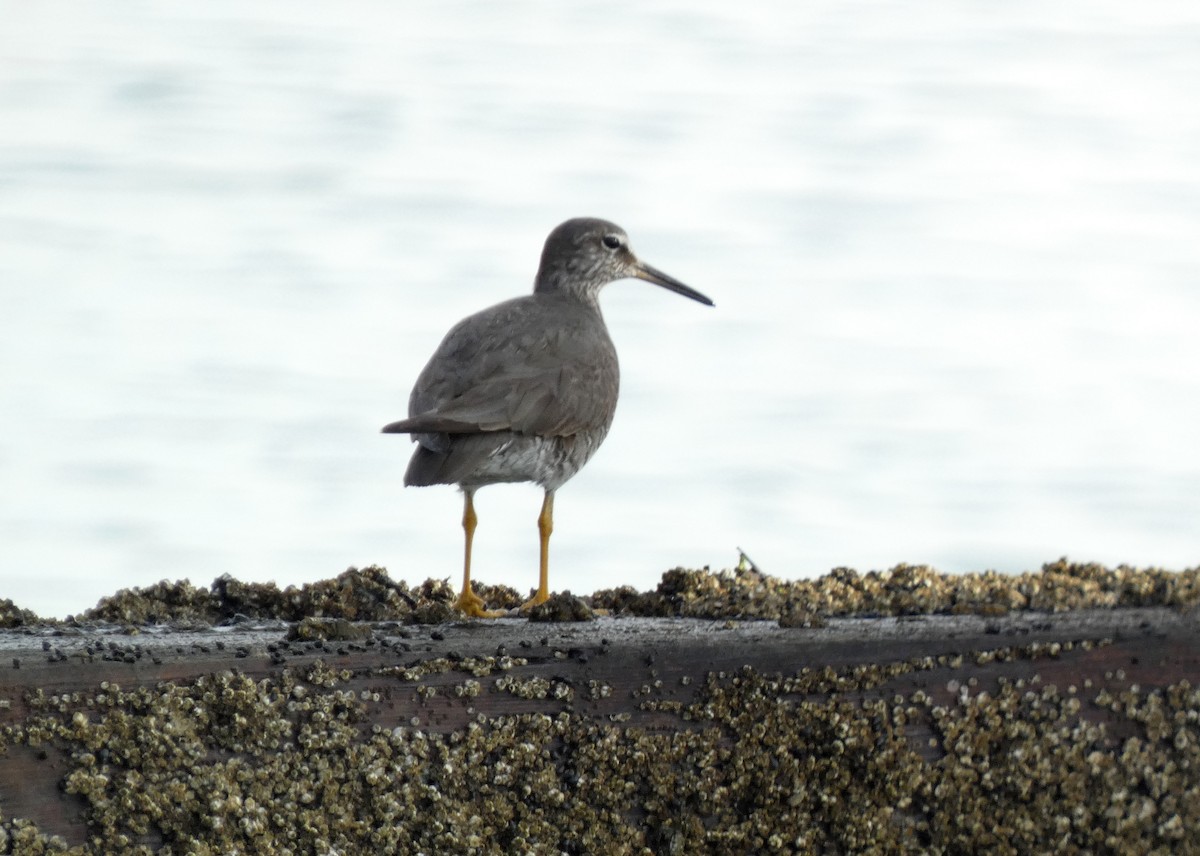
(920, 754)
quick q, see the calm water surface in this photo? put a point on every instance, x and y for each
(953, 250)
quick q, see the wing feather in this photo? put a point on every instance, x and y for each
(541, 365)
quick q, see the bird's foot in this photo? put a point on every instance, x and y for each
(472, 605)
(540, 597)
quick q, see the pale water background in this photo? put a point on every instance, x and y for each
(954, 247)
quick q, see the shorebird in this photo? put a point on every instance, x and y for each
(525, 391)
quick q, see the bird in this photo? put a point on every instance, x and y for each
(525, 391)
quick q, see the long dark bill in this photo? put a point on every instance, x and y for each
(654, 275)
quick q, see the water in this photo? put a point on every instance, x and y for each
(953, 250)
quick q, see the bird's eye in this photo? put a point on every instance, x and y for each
(612, 241)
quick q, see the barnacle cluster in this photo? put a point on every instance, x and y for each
(478, 666)
(366, 594)
(1000, 749)
(902, 590)
(328, 629)
(820, 760)
(12, 615)
(562, 607)
(369, 594)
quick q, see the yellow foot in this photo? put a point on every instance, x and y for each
(471, 604)
(540, 597)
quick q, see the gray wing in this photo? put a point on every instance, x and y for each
(530, 365)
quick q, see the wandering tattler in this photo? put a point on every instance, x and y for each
(526, 390)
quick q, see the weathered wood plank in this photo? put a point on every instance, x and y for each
(638, 676)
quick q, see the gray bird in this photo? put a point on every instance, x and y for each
(526, 390)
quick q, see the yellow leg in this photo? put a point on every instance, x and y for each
(545, 527)
(468, 602)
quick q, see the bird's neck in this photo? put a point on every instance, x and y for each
(560, 285)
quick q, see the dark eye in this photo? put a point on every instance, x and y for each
(612, 241)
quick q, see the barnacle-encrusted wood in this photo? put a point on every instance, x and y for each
(1014, 731)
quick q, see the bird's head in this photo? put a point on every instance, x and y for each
(583, 255)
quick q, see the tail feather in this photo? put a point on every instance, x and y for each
(425, 468)
(431, 424)
(447, 459)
